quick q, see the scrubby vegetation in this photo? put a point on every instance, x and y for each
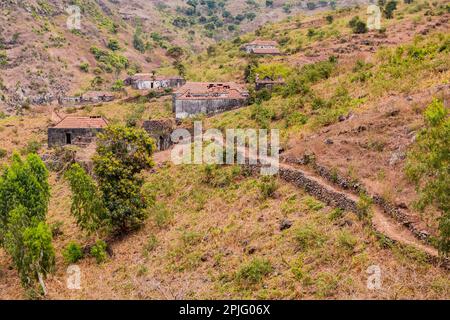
(226, 232)
(428, 167)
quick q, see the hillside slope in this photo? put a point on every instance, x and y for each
(223, 233)
(42, 60)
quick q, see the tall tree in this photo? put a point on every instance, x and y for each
(24, 198)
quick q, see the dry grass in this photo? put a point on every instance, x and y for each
(212, 233)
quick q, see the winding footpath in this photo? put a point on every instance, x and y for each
(334, 196)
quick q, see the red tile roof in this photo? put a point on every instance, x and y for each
(151, 77)
(72, 122)
(211, 90)
(266, 51)
(263, 43)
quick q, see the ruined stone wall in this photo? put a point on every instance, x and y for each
(186, 108)
(57, 136)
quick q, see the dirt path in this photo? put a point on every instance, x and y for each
(334, 196)
(381, 222)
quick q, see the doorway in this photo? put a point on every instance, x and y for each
(68, 138)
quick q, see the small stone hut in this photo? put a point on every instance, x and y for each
(73, 130)
(262, 47)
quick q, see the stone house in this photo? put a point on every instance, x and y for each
(268, 83)
(97, 96)
(262, 47)
(87, 98)
(74, 130)
(208, 98)
(148, 81)
(161, 131)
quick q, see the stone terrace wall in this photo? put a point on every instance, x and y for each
(314, 188)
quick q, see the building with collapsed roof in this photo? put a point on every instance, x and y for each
(268, 82)
(90, 97)
(208, 98)
(262, 47)
(148, 81)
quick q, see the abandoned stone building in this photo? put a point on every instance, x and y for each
(148, 81)
(161, 131)
(208, 98)
(268, 83)
(75, 131)
(262, 47)
(87, 98)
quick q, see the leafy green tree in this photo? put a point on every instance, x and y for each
(119, 205)
(122, 153)
(87, 204)
(24, 198)
(25, 184)
(31, 249)
(429, 167)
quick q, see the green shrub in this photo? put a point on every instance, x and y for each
(262, 115)
(98, 251)
(32, 146)
(268, 186)
(254, 271)
(3, 153)
(136, 114)
(73, 253)
(3, 58)
(365, 205)
(113, 44)
(161, 215)
(308, 237)
(219, 176)
(118, 85)
(357, 25)
(84, 67)
(336, 214)
(347, 241)
(150, 245)
(428, 167)
(389, 9)
(313, 204)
